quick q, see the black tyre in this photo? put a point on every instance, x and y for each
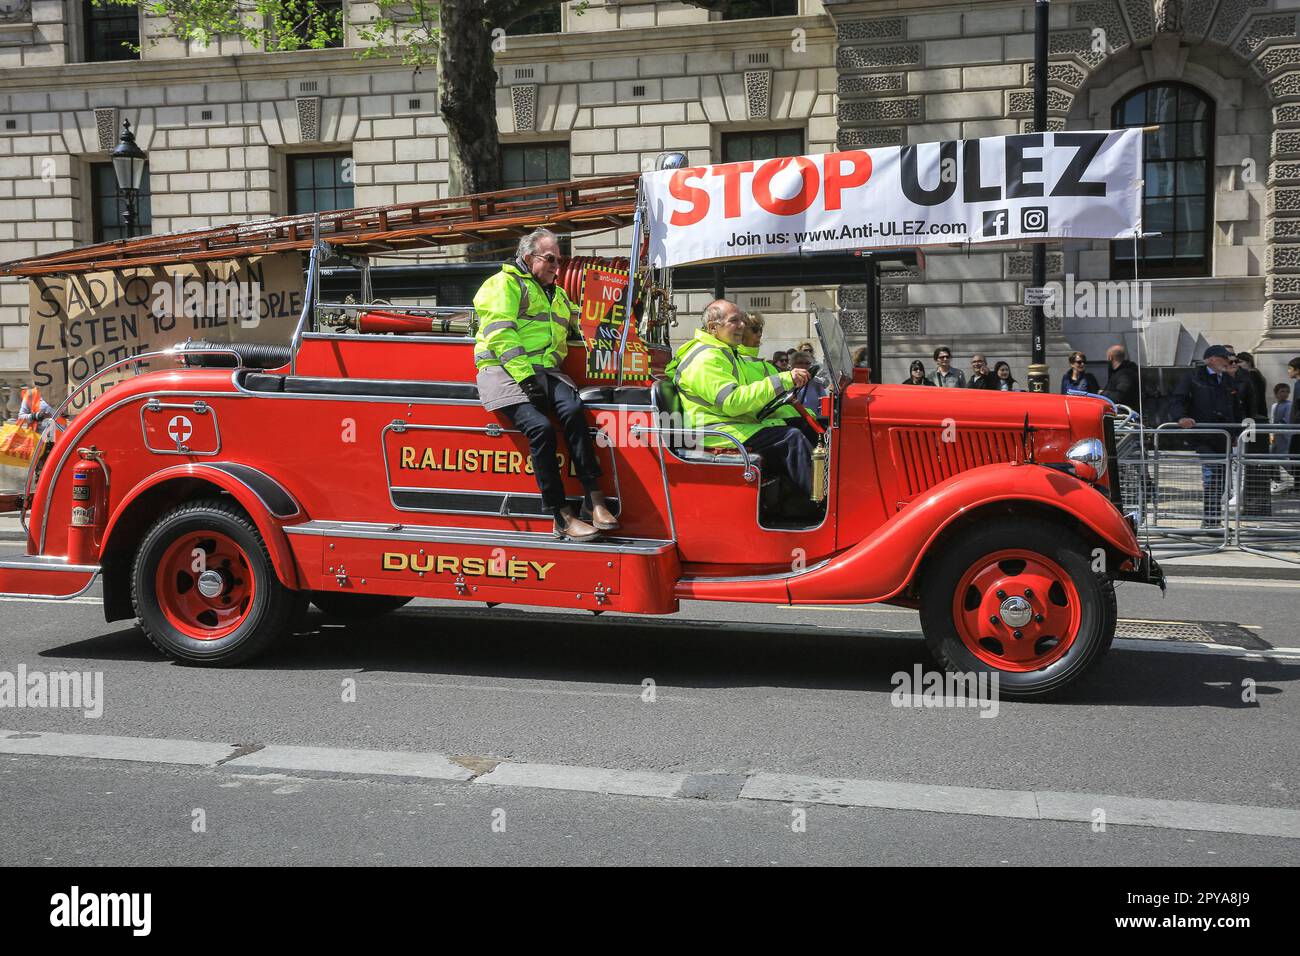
(204, 588)
(1020, 598)
(356, 607)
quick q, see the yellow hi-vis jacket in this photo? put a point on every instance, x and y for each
(519, 328)
(753, 368)
(707, 373)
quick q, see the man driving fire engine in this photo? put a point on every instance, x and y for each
(754, 367)
(524, 323)
(715, 394)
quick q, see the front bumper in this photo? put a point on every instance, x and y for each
(1145, 570)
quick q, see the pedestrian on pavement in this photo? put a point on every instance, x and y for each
(1078, 378)
(980, 376)
(1278, 414)
(806, 346)
(1002, 378)
(1256, 480)
(916, 374)
(1122, 386)
(944, 375)
(781, 360)
(1209, 397)
(1293, 448)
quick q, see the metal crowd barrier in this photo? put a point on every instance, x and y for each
(1266, 491)
(1205, 489)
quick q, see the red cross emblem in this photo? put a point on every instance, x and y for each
(180, 429)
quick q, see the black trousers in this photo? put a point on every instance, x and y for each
(785, 451)
(542, 442)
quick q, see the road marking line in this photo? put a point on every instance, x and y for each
(785, 788)
(99, 747)
(635, 783)
(630, 693)
(1233, 583)
(1170, 814)
(1196, 647)
(891, 796)
(1022, 804)
(396, 763)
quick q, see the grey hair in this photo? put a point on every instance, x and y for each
(713, 314)
(528, 244)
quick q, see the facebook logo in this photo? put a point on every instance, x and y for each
(997, 222)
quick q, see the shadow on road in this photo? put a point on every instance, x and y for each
(622, 651)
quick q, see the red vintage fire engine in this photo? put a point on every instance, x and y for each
(355, 468)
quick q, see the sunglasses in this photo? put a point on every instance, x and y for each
(548, 259)
(1078, 362)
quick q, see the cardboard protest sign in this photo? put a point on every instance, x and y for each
(604, 308)
(1033, 186)
(82, 323)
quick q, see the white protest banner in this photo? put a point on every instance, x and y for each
(1070, 185)
(82, 323)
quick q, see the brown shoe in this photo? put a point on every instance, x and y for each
(569, 526)
(599, 514)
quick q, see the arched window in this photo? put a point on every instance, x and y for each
(1177, 196)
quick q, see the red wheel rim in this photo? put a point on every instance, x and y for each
(205, 585)
(1010, 593)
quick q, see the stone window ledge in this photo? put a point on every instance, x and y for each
(1195, 282)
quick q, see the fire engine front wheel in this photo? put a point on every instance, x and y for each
(1019, 598)
(204, 588)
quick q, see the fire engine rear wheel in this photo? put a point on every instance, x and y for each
(204, 588)
(1019, 598)
(356, 607)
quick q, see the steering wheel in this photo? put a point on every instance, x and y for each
(785, 398)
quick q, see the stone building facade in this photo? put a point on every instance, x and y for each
(932, 70)
(223, 125)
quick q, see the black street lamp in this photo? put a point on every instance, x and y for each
(129, 162)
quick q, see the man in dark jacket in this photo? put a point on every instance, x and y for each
(1210, 397)
(1255, 398)
(1293, 373)
(980, 376)
(1122, 384)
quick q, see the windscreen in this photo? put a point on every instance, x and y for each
(837, 360)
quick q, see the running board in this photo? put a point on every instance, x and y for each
(43, 576)
(473, 536)
(498, 567)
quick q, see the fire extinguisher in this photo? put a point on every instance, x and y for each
(88, 507)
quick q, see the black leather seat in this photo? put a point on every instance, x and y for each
(251, 354)
(667, 400)
(368, 387)
(609, 395)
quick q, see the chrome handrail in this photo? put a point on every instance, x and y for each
(308, 306)
(751, 473)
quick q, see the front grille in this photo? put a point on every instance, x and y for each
(1112, 461)
(923, 458)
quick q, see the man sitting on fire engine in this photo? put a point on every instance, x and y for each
(524, 323)
(716, 394)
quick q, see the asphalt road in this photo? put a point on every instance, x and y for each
(737, 692)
